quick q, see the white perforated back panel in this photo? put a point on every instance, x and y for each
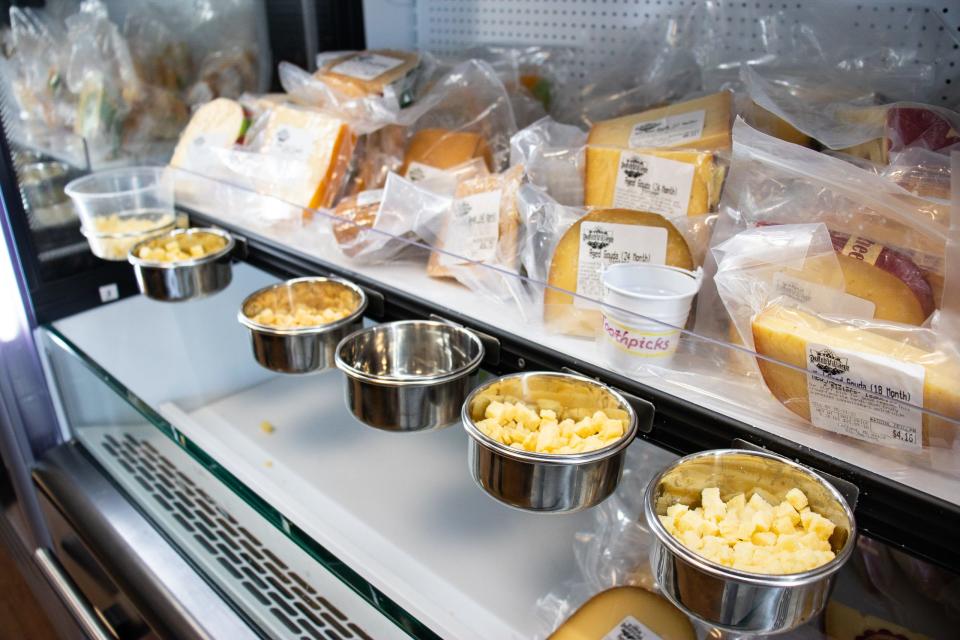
(603, 30)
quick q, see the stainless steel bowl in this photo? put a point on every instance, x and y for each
(300, 349)
(542, 482)
(185, 279)
(411, 375)
(729, 599)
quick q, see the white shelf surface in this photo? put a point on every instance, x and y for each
(400, 509)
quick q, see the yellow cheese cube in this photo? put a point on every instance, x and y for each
(764, 538)
(796, 498)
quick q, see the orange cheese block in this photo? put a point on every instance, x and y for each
(783, 333)
(366, 73)
(605, 164)
(626, 612)
(504, 232)
(845, 623)
(315, 147)
(444, 149)
(703, 123)
(560, 313)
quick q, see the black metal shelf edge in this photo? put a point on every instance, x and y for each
(887, 510)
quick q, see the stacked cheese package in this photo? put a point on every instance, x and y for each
(648, 182)
(840, 274)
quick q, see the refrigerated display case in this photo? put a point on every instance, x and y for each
(167, 485)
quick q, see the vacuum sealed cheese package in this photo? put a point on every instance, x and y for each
(836, 277)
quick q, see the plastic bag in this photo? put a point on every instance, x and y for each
(554, 155)
(836, 272)
(353, 94)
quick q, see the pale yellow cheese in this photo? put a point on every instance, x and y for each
(522, 426)
(782, 333)
(717, 124)
(560, 314)
(603, 165)
(845, 623)
(605, 611)
(753, 535)
(325, 143)
(218, 124)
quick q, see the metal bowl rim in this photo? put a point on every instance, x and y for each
(761, 579)
(137, 261)
(394, 381)
(245, 320)
(550, 458)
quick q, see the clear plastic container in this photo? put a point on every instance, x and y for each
(122, 207)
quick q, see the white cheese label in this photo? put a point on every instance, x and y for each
(369, 196)
(669, 131)
(631, 629)
(293, 142)
(649, 183)
(605, 243)
(436, 180)
(367, 66)
(821, 298)
(473, 230)
(857, 394)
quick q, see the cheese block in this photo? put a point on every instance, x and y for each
(771, 123)
(315, 147)
(704, 123)
(783, 334)
(619, 178)
(885, 277)
(444, 149)
(218, 124)
(354, 214)
(465, 236)
(561, 314)
(370, 73)
(845, 623)
(626, 612)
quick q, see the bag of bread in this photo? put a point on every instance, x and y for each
(836, 277)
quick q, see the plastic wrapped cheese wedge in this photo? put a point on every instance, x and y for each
(861, 382)
(219, 124)
(626, 612)
(371, 73)
(432, 150)
(315, 146)
(602, 237)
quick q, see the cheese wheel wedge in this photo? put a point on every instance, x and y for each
(885, 277)
(445, 149)
(315, 146)
(782, 333)
(619, 612)
(603, 166)
(560, 314)
(354, 214)
(220, 124)
(716, 132)
(845, 623)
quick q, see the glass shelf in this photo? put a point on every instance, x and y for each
(393, 516)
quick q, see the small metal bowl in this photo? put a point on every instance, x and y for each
(299, 349)
(737, 601)
(411, 375)
(545, 482)
(184, 279)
